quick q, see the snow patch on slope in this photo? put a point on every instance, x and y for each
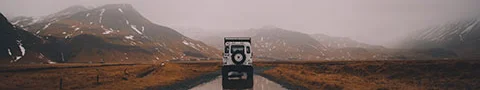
(468, 29)
(51, 62)
(185, 42)
(108, 31)
(63, 58)
(16, 22)
(119, 9)
(101, 15)
(190, 44)
(68, 36)
(9, 52)
(76, 29)
(35, 20)
(22, 50)
(135, 29)
(130, 37)
(44, 27)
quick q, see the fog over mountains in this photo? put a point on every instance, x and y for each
(109, 33)
(364, 21)
(125, 33)
(462, 37)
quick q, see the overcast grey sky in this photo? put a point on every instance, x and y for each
(379, 22)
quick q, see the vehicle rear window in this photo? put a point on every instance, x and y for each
(239, 48)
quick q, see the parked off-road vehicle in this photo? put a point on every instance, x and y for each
(237, 70)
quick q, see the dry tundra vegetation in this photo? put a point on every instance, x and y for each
(315, 75)
(110, 76)
(380, 75)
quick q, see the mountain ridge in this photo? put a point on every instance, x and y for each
(113, 24)
(274, 43)
(454, 40)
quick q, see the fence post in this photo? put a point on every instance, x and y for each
(61, 84)
(98, 76)
(420, 83)
(98, 81)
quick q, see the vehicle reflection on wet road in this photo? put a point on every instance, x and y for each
(259, 83)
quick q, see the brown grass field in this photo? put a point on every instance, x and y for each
(111, 76)
(314, 75)
(379, 75)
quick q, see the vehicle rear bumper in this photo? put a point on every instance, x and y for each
(238, 68)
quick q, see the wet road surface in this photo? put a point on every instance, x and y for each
(259, 83)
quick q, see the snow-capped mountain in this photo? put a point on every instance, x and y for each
(19, 46)
(113, 33)
(273, 43)
(462, 38)
(279, 43)
(23, 21)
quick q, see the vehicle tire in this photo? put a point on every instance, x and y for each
(238, 55)
(249, 81)
(225, 82)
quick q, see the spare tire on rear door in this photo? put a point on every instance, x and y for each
(238, 57)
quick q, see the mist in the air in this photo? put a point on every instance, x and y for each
(378, 22)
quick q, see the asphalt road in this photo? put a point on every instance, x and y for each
(259, 83)
(213, 81)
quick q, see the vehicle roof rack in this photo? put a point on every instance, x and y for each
(238, 39)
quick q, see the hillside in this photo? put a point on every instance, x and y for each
(342, 42)
(19, 46)
(452, 40)
(273, 43)
(112, 33)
